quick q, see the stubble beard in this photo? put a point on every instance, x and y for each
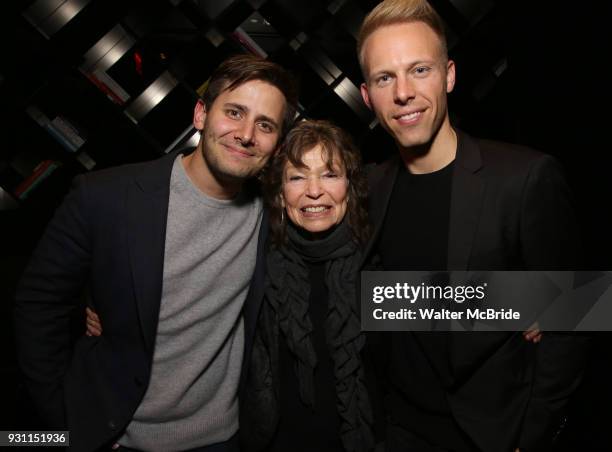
(224, 173)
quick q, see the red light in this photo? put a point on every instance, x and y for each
(138, 63)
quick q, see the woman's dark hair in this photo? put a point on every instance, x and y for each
(336, 145)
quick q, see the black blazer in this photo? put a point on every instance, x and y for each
(510, 209)
(108, 236)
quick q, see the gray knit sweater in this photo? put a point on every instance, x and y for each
(210, 254)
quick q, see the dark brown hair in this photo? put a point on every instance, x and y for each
(239, 69)
(337, 146)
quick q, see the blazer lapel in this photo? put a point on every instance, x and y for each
(147, 206)
(254, 297)
(467, 195)
(381, 183)
(465, 351)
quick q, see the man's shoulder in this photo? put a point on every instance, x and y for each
(117, 177)
(499, 152)
(508, 156)
(501, 160)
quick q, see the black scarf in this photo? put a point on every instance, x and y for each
(286, 307)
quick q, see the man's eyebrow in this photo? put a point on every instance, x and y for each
(242, 108)
(268, 119)
(419, 62)
(412, 64)
(245, 109)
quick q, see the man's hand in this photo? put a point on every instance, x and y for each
(94, 327)
(533, 334)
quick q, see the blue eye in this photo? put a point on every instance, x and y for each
(383, 79)
(422, 70)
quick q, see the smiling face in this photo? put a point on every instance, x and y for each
(407, 79)
(240, 131)
(315, 196)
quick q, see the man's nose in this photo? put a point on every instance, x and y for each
(245, 133)
(404, 91)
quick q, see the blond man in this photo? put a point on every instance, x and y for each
(450, 201)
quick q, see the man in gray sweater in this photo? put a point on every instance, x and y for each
(169, 253)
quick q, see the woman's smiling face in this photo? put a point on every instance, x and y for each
(315, 196)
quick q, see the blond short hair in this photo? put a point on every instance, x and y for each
(392, 12)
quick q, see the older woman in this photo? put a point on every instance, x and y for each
(305, 388)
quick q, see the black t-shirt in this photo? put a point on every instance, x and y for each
(415, 231)
(414, 236)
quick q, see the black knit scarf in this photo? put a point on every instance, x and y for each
(286, 308)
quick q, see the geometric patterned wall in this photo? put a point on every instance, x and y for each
(87, 84)
(102, 82)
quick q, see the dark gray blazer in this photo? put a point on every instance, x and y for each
(108, 236)
(510, 210)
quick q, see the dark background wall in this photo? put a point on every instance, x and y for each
(529, 72)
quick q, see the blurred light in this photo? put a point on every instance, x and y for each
(50, 16)
(150, 97)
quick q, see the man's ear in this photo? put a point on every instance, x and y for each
(199, 115)
(450, 76)
(365, 95)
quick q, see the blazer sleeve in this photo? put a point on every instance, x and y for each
(47, 295)
(550, 241)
